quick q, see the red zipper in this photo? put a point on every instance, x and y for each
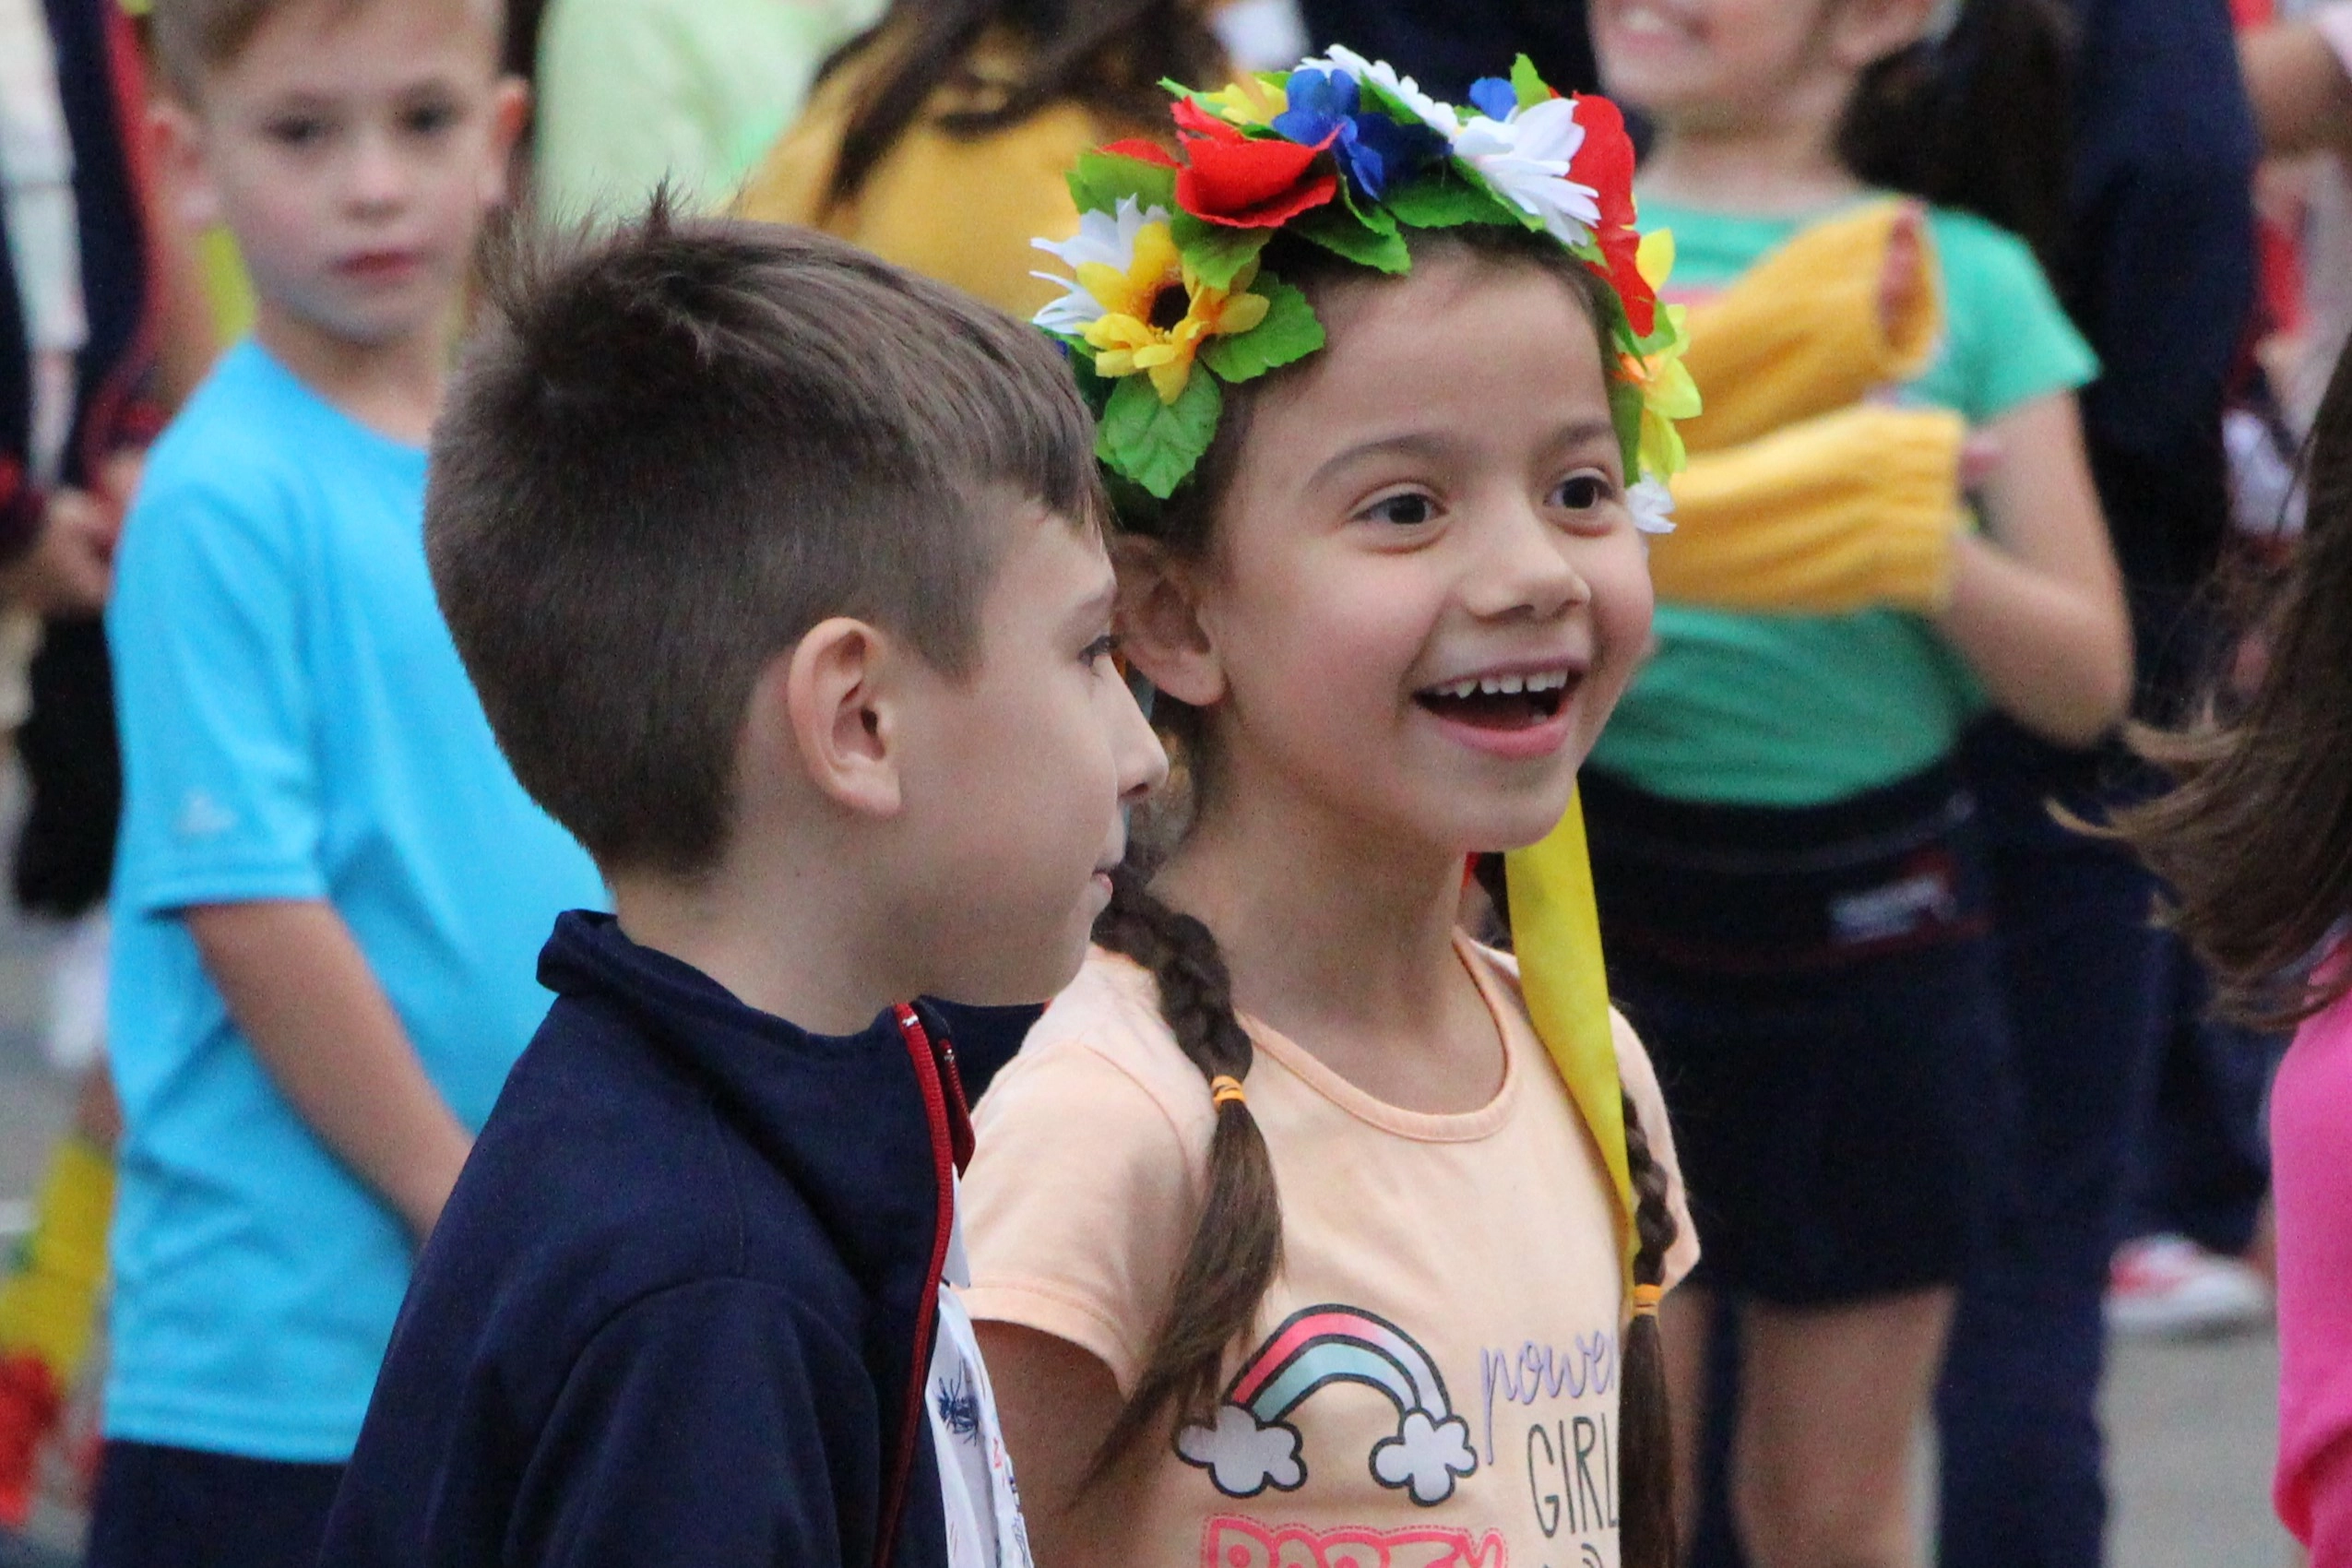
(935, 1072)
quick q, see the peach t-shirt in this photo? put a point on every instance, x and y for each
(1433, 1380)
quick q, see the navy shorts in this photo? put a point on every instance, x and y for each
(185, 1508)
(1820, 993)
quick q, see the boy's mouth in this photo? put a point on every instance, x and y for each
(1514, 701)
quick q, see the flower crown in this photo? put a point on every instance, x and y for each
(1344, 153)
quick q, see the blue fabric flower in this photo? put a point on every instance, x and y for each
(1494, 98)
(1374, 149)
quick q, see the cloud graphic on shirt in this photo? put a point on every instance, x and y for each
(1241, 1455)
(1426, 1455)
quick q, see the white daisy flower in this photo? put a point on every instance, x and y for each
(1438, 117)
(1104, 238)
(1526, 158)
(1652, 505)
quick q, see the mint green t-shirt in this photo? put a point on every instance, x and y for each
(1797, 710)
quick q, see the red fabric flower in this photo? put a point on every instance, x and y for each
(1605, 162)
(1243, 182)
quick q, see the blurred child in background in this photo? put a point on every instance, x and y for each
(1791, 876)
(330, 888)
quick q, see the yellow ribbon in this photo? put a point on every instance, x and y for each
(1555, 926)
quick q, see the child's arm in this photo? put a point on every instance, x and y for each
(298, 988)
(2037, 605)
(1056, 1403)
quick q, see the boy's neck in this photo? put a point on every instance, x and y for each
(778, 945)
(1784, 169)
(393, 389)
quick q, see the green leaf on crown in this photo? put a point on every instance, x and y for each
(1444, 199)
(1156, 444)
(1216, 253)
(1101, 179)
(1625, 413)
(1288, 333)
(1342, 234)
(1529, 84)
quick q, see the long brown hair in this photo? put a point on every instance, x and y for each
(2256, 837)
(1976, 119)
(1236, 1248)
(1108, 55)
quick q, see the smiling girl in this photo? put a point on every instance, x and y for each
(1291, 1241)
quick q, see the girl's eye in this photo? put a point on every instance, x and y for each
(1408, 510)
(1102, 647)
(1582, 492)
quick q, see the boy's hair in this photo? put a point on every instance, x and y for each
(673, 452)
(192, 37)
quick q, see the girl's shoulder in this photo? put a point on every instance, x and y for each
(1103, 1042)
(1503, 968)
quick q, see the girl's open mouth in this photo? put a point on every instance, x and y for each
(1500, 702)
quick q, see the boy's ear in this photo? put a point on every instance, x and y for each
(510, 108)
(1159, 623)
(177, 135)
(839, 711)
(1863, 33)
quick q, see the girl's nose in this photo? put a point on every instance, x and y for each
(1524, 568)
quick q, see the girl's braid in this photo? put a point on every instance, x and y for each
(1236, 1245)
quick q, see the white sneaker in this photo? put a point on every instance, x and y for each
(2168, 1287)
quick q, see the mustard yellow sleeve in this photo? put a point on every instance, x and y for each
(1803, 331)
(1852, 510)
(788, 182)
(963, 211)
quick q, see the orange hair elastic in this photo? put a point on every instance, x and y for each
(1224, 1088)
(1646, 1299)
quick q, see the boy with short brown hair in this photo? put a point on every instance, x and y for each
(779, 569)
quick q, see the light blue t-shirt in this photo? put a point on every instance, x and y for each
(295, 725)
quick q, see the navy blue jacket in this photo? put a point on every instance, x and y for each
(678, 1308)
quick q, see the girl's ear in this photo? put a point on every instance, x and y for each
(1159, 623)
(1863, 33)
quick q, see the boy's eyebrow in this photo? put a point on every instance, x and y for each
(1094, 610)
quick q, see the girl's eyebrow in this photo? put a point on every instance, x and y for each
(1425, 444)
(1431, 446)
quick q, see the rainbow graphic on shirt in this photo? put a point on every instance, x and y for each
(1251, 1446)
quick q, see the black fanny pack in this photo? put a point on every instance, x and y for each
(1761, 890)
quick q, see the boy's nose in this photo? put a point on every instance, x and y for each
(378, 176)
(1143, 761)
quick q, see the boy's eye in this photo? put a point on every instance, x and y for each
(1408, 510)
(428, 119)
(1582, 492)
(298, 130)
(1102, 647)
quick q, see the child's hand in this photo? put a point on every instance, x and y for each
(1902, 274)
(1981, 456)
(71, 565)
